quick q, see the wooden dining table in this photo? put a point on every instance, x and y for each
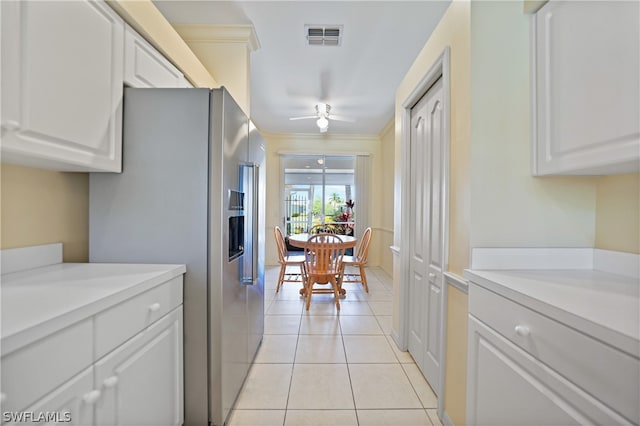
(300, 241)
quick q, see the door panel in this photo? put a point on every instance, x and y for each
(426, 240)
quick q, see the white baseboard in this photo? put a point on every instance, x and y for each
(20, 259)
(396, 338)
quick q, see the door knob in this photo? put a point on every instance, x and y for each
(522, 330)
(10, 125)
(91, 397)
(431, 275)
(110, 382)
(154, 307)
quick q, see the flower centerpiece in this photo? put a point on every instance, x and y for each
(346, 219)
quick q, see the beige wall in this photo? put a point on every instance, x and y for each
(618, 213)
(225, 51)
(320, 144)
(510, 207)
(453, 31)
(41, 207)
(455, 367)
(385, 231)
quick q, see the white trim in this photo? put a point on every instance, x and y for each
(439, 69)
(531, 258)
(21, 259)
(616, 262)
(396, 338)
(395, 250)
(382, 229)
(533, 110)
(457, 281)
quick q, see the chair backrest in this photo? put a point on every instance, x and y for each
(323, 255)
(363, 248)
(280, 244)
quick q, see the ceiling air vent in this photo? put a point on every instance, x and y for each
(323, 35)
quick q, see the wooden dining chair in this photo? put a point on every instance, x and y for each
(323, 263)
(285, 260)
(357, 261)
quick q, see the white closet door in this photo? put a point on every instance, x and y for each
(426, 240)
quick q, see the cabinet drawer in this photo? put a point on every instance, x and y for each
(114, 326)
(34, 370)
(606, 373)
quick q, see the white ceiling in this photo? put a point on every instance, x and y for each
(358, 79)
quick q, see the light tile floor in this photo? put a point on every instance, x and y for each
(324, 368)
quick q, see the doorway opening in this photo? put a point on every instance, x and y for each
(318, 190)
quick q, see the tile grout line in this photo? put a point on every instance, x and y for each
(293, 366)
(346, 360)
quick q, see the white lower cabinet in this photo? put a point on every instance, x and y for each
(67, 377)
(507, 386)
(141, 381)
(526, 367)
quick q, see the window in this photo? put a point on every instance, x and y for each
(316, 191)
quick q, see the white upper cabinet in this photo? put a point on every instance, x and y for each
(62, 80)
(586, 97)
(144, 66)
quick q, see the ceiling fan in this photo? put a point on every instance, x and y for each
(322, 117)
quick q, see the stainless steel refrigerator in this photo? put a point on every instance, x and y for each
(192, 191)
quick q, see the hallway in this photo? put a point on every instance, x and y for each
(318, 368)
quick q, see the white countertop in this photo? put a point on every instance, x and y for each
(41, 301)
(603, 305)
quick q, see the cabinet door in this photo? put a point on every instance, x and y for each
(507, 386)
(587, 91)
(142, 381)
(70, 404)
(144, 66)
(62, 66)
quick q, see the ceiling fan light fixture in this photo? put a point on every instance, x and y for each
(322, 123)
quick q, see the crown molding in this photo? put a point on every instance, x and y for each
(201, 33)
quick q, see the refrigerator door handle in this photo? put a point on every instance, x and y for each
(250, 268)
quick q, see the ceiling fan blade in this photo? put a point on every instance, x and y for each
(341, 118)
(306, 117)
